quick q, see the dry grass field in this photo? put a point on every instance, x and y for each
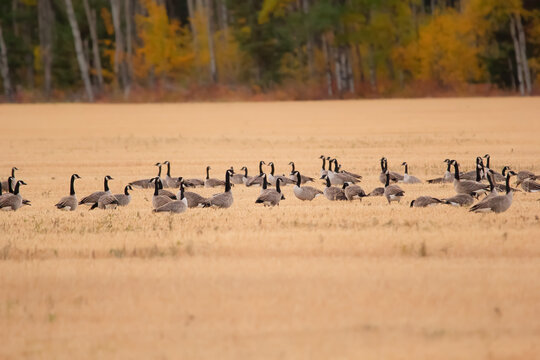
(305, 280)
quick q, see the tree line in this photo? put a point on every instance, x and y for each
(171, 49)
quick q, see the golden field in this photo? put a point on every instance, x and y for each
(305, 280)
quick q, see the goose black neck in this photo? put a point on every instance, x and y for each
(387, 182)
(507, 183)
(260, 168)
(487, 161)
(382, 165)
(278, 188)
(106, 184)
(159, 171)
(0, 188)
(490, 181)
(156, 187)
(181, 192)
(292, 170)
(207, 173)
(298, 179)
(272, 169)
(227, 182)
(324, 163)
(328, 184)
(10, 184)
(13, 171)
(169, 169)
(504, 170)
(16, 192)
(72, 186)
(448, 166)
(330, 165)
(478, 177)
(456, 171)
(245, 172)
(126, 192)
(336, 166)
(407, 169)
(265, 183)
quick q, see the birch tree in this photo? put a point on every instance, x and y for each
(46, 20)
(4, 67)
(91, 19)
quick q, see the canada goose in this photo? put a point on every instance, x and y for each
(495, 175)
(265, 189)
(323, 168)
(94, 197)
(193, 199)
(459, 200)
(256, 180)
(304, 192)
(493, 191)
(524, 175)
(529, 185)
(238, 178)
(11, 184)
(392, 192)
(497, 204)
(245, 177)
(194, 182)
(125, 198)
(162, 191)
(272, 178)
(69, 202)
(168, 181)
(12, 201)
(6, 183)
(409, 179)
(338, 178)
(107, 201)
(467, 186)
(425, 201)
(353, 192)
(222, 200)
(477, 174)
(331, 192)
(394, 176)
(447, 177)
(212, 182)
(145, 183)
(378, 191)
(271, 197)
(175, 206)
(157, 199)
(292, 175)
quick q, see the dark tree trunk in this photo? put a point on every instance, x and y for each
(46, 20)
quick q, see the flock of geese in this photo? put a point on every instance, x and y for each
(340, 185)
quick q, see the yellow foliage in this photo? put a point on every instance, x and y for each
(107, 20)
(446, 51)
(166, 46)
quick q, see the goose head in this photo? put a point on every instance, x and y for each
(75, 176)
(108, 177)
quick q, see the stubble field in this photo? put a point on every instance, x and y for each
(313, 280)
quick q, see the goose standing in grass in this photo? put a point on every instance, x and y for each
(193, 199)
(257, 180)
(94, 197)
(212, 182)
(459, 200)
(169, 181)
(271, 197)
(524, 175)
(272, 178)
(69, 202)
(175, 206)
(323, 168)
(392, 192)
(158, 199)
(495, 175)
(304, 192)
(265, 188)
(163, 191)
(467, 186)
(222, 200)
(394, 176)
(331, 192)
(145, 183)
(447, 177)
(10, 180)
(336, 177)
(353, 192)
(409, 179)
(475, 175)
(497, 204)
(425, 201)
(292, 175)
(125, 198)
(12, 201)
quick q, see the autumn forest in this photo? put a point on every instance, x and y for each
(182, 50)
